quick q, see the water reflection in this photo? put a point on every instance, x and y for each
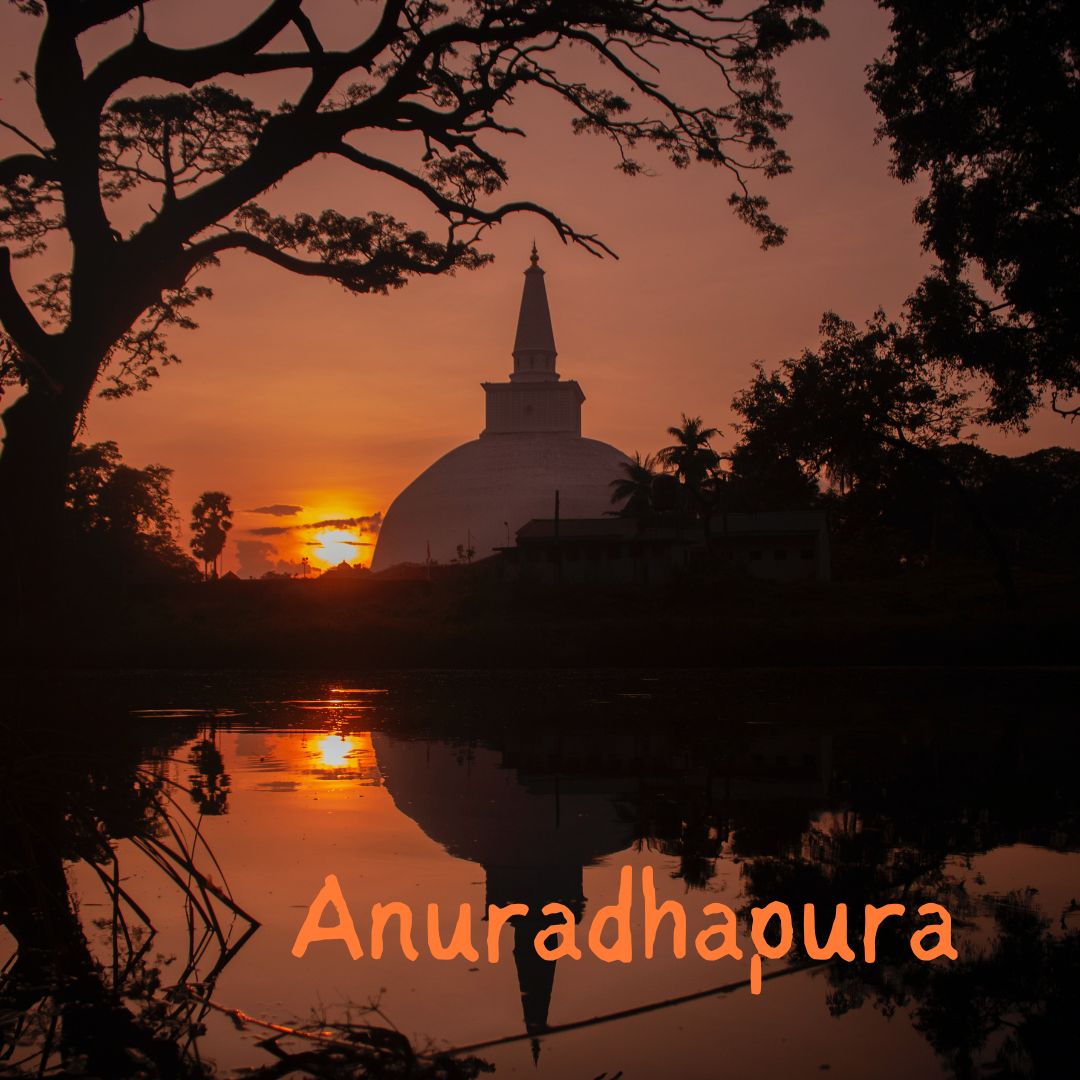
(119, 851)
(533, 836)
(82, 993)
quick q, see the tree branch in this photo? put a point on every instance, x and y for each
(18, 320)
(19, 133)
(143, 58)
(467, 214)
(1063, 410)
(347, 272)
(39, 168)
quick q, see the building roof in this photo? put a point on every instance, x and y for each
(599, 530)
(606, 528)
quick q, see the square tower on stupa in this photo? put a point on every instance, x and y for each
(535, 398)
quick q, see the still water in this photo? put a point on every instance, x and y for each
(163, 837)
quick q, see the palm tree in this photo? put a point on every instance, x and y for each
(211, 519)
(691, 457)
(634, 488)
(694, 463)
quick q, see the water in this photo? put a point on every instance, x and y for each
(219, 804)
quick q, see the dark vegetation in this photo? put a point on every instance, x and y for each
(467, 617)
(119, 523)
(915, 580)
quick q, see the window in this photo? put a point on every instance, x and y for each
(806, 554)
(780, 554)
(755, 555)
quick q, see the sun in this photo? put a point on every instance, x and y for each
(332, 546)
(334, 751)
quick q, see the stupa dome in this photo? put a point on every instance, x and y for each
(479, 494)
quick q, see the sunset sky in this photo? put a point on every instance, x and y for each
(296, 395)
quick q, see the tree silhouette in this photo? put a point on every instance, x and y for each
(209, 783)
(759, 479)
(980, 99)
(119, 520)
(696, 467)
(440, 78)
(634, 489)
(211, 520)
(691, 457)
(863, 393)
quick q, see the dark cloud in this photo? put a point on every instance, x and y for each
(368, 524)
(254, 557)
(277, 510)
(257, 557)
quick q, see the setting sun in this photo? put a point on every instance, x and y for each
(333, 546)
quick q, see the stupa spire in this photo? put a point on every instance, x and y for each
(534, 343)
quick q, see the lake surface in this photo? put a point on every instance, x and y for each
(165, 831)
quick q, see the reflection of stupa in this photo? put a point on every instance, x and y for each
(532, 841)
(530, 448)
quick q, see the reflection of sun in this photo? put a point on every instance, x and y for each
(334, 546)
(334, 750)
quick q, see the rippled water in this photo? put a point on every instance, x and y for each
(218, 806)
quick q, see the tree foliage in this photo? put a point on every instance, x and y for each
(120, 520)
(443, 76)
(864, 396)
(632, 492)
(980, 100)
(864, 389)
(211, 520)
(690, 456)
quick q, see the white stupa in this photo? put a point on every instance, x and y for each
(530, 448)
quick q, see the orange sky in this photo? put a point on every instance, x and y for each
(293, 392)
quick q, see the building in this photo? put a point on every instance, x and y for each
(480, 493)
(597, 551)
(779, 546)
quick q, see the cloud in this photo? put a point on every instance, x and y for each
(254, 557)
(369, 524)
(257, 557)
(277, 510)
(348, 543)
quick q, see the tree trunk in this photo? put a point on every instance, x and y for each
(39, 430)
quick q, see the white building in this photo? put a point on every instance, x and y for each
(531, 446)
